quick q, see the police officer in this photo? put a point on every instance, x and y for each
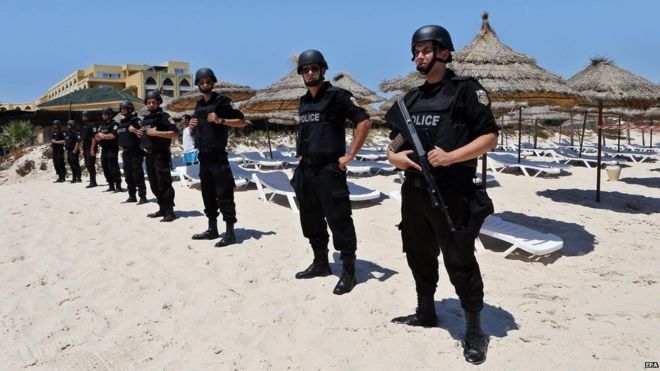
(320, 179)
(453, 114)
(156, 133)
(213, 117)
(132, 154)
(57, 144)
(106, 137)
(72, 146)
(88, 130)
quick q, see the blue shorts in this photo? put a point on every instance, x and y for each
(190, 158)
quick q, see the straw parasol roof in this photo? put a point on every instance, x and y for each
(504, 73)
(188, 101)
(604, 81)
(361, 93)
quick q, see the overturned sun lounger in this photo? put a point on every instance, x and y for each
(527, 239)
(189, 176)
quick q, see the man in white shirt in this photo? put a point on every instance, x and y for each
(189, 151)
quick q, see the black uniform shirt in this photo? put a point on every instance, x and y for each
(161, 121)
(71, 137)
(87, 131)
(450, 114)
(125, 138)
(322, 118)
(57, 135)
(108, 128)
(211, 136)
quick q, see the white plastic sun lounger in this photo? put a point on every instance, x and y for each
(527, 239)
(632, 156)
(560, 154)
(277, 183)
(505, 161)
(256, 159)
(363, 167)
(287, 160)
(189, 176)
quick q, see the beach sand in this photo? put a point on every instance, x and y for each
(91, 283)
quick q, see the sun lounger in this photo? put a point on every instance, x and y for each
(241, 173)
(505, 161)
(632, 156)
(189, 176)
(370, 155)
(567, 156)
(363, 167)
(233, 157)
(256, 159)
(287, 160)
(277, 183)
(527, 239)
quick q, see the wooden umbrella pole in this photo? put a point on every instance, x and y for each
(535, 131)
(600, 135)
(651, 134)
(572, 128)
(618, 139)
(584, 128)
(519, 131)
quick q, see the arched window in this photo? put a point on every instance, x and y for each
(168, 87)
(184, 86)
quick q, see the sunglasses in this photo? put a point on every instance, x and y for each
(308, 69)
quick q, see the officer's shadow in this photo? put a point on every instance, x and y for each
(495, 321)
(364, 270)
(244, 234)
(187, 213)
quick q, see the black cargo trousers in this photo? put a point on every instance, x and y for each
(425, 233)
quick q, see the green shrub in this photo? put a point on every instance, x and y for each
(17, 134)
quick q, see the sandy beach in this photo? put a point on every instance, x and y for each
(90, 283)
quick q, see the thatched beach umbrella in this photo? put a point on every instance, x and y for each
(611, 86)
(361, 93)
(188, 101)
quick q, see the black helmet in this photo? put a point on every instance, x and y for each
(86, 113)
(153, 95)
(205, 73)
(126, 104)
(311, 56)
(107, 111)
(71, 123)
(434, 33)
(57, 122)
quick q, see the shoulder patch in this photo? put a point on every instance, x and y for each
(482, 97)
(354, 101)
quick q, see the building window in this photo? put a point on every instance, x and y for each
(184, 86)
(107, 75)
(180, 71)
(168, 87)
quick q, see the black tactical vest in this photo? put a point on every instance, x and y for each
(160, 121)
(57, 135)
(318, 133)
(70, 139)
(435, 119)
(125, 138)
(87, 132)
(108, 128)
(209, 136)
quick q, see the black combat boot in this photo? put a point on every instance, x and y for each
(92, 183)
(424, 315)
(73, 180)
(158, 213)
(168, 215)
(319, 267)
(60, 179)
(111, 187)
(142, 200)
(118, 188)
(229, 238)
(210, 234)
(475, 344)
(347, 280)
(131, 198)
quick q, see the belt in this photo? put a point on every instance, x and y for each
(319, 160)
